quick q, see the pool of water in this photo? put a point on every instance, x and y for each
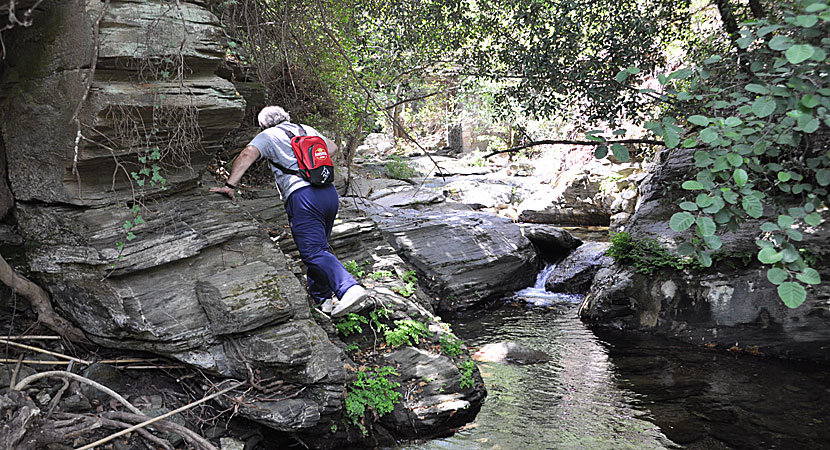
(605, 390)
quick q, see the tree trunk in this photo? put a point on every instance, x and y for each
(728, 19)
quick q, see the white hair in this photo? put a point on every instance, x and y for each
(271, 116)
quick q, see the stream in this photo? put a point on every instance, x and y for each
(623, 391)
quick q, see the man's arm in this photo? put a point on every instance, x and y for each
(242, 162)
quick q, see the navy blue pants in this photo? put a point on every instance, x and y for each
(311, 211)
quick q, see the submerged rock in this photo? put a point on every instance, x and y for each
(510, 352)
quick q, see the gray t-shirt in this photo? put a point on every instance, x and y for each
(273, 143)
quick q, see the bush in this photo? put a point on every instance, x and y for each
(399, 169)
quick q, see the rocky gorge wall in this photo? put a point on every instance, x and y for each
(731, 305)
(119, 228)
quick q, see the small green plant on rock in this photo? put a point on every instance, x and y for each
(354, 268)
(409, 287)
(467, 368)
(399, 169)
(379, 274)
(406, 332)
(374, 390)
(646, 255)
(351, 324)
(450, 345)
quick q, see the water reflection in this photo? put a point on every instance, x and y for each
(572, 401)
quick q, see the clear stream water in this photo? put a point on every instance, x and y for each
(622, 392)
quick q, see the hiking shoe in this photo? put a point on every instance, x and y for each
(351, 301)
(326, 306)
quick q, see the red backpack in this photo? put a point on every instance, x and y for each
(313, 159)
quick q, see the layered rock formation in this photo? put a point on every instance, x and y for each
(120, 230)
(731, 304)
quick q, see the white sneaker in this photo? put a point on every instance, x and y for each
(351, 301)
(326, 306)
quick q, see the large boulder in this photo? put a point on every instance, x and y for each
(731, 304)
(575, 273)
(574, 199)
(468, 257)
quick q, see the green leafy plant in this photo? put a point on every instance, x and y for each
(373, 390)
(379, 274)
(410, 282)
(646, 255)
(352, 347)
(351, 324)
(755, 143)
(450, 345)
(406, 332)
(399, 169)
(354, 268)
(376, 315)
(467, 367)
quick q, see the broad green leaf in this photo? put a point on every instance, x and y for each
(715, 207)
(789, 254)
(764, 244)
(709, 135)
(777, 276)
(785, 221)
(734, 159)
(799, 53)
(601, 151)
(699, 120)
(703, 200)
(740, 176)
(769, 227)
(823, 177)
(795, 235)
(809, 101)
(733, 121)
(705, 226)
(757, 88)
(752, 206)
(770, 256)
(816, 7)
(688, 206)
(784, 177)
(813, 219)
(619, 132)
(633, 70)
(713, 242)
(809, 276)
(692, 185)
(780, 43)
(807, 20)
(712, 59)
(763, 106)
(681, 74)
(704, 259)
(681, 221)
(622, 76)
(671, 138)
(685, 249)
(792, 294)
(730, 196)
(809, 127)
(620, 152)
(797, 212)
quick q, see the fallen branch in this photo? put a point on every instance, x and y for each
(44, 351)
(207, 446)
(574, 142)
(187, 434)
(39, 300)
(61, 374)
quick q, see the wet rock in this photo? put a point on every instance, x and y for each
(231, 444)
(553, 242)
(575, 273)
(75, 403)
(510, 352)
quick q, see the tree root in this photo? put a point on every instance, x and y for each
(39, 300)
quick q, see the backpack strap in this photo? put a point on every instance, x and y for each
(290, 135)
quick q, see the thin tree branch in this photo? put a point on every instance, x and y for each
(63, 374)
(571, 142)
(407, 100)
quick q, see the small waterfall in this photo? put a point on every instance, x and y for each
(538, 296)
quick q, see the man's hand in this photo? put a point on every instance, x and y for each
(225, 190)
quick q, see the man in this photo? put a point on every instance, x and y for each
(311, 209)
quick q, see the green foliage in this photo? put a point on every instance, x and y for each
(378, 274)
(450, 345)
(373, 390)
(399, 169)
(352, 347)
(646, 255)
(410, 284)
(755, 142)
(351, 324)
(354, 268)
(406, 332)
(467, 367)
